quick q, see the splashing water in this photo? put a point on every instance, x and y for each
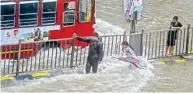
(113, 75)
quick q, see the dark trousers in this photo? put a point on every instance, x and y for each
(94, 66)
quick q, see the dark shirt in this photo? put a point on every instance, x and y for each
(96, 52)
(175, 25)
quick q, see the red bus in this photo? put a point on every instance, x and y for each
(37, 20)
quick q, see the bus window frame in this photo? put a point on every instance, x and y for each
(28, 2)
(87, 12)
(44, 1)
(10, 3)
(75, 13)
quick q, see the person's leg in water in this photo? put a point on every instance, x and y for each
(172, 51)
(88, 67)
(167, 48)
(94, 67)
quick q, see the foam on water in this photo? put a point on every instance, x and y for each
(106, 28)
(113, 75)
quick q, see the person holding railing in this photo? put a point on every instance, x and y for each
(96, 52)
(172, 35)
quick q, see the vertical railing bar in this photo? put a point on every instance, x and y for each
(40, 55)
(146, 45)
(191, 40)
(31, 58)
(177, 44)
(105, 43)
(28, 60)
(184, 40)
(180, 43)
(60, 47)
(9, 59)
(142, 43)
(5, 59)
(164, 35)
(76, 56)
(159, 44)
(116, 45)
(108, 46)
(72, 54)
(45, 45)
(153, 35)
(187, 40)
(80, 55)
(52, 54)
(156, 44)
(119, 46)
(171, 39)
(149, 45)
(13, 59)
(68, 57)
(18, 61)
(84, 61)
(35, 56)
(47, 65)
(122, 47)
(24, 54)
(56, 55)
(64, 52)
(112, 45)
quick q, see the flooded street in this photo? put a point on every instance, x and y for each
(157, 14)
(115, 75)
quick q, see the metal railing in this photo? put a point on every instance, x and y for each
(52, 54)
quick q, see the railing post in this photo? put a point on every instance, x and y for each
(18, 59)
(187, 40)
(72, 53)
(141, 48)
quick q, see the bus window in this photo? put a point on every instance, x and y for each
(85, 11)
(49, 13)
(69, 13)
(7, 15)
(28, 14)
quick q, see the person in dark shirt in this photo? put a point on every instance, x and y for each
(172, 35)
(96, 52)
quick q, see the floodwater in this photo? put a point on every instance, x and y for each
(116, 76)
(157, 14)
(113, 76)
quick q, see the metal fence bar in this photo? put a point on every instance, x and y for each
(184, 40)
(72, 54)
(156, 44)
(108, 46)
(145, 45)
(60, 54)
(191, 46)
(18, 61)
(149, 46)
(187, 40)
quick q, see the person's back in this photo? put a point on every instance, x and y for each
(94, 47)
(95, 54)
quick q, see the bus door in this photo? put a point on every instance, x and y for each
(69, 18)
(86, 19)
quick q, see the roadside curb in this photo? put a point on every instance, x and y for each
(36, 75)
(162, 62)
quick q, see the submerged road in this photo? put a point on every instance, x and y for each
(157, 14)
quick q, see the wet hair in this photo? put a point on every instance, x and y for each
(175, 17)
(125, 43)
(96, 34)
